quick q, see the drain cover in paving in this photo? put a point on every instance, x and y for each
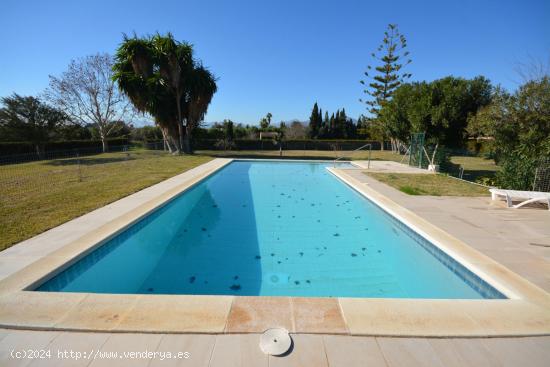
(275, 341)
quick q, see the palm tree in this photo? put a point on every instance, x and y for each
(161, 78)
(202, 89)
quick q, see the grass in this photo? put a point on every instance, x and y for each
(476, 167)
(426, 184)
(41, 195)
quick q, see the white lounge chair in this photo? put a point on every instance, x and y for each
(526, 197)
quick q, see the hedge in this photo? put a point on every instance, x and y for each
(247, 144)
(12, 148)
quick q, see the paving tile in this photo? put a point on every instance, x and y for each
(177, 313)
(519, 351)
(46, 309)
(255, 315)
(98, 312)
(199, 348)
(19, 340)
(352, 351)
(401, 317)
(72, 349)
(318, 315)
(463, 352)
(410, 352)
(238, 350)
(307, 351)
(112, 352)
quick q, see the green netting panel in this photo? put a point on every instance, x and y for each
(416, 153)
(542, 176)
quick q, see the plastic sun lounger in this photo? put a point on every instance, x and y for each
(526, 197)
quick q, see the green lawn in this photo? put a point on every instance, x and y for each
(38, 196)
(426, 184)
(476, 167)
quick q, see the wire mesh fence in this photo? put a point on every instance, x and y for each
(28, 175)
(541, 181)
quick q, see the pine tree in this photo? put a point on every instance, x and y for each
(388, 74)
(390, 58)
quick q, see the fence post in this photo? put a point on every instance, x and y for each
(79, 167)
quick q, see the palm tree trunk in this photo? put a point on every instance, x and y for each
(188, 148)
(180, 120)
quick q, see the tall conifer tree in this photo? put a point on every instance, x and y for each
(389, 59)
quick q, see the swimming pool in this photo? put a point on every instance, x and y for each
(271, 229)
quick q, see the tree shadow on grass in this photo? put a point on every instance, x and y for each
(472, 175)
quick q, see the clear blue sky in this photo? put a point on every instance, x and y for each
(279, 56)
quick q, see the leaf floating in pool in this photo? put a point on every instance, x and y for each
(363, 248)
(214, 206)
(312, 204)
(258, 257)
(236, 277)
(278, 216)
(203, 229)
(301, 254)
(358, 217)
(278, 206)
(308, 281)
(296, 282)
(235, 287)
(336, 235)
(150, 289)
(379, 251)
(278, 262)
(244, 205)
(318, 220)
(272, 254)
(325, 247)
(192, 279)
(366, 229)
(293, 216)
(353, 254)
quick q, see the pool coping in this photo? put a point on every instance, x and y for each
(525, 313)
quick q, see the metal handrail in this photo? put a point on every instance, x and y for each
(361, 147)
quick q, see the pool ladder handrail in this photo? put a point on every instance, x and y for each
(355, 150)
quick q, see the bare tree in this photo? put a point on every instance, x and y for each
(534, 69)
(88, 94)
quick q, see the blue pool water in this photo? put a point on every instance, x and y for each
(273, 229)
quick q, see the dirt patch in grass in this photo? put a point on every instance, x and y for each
(427, 184)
